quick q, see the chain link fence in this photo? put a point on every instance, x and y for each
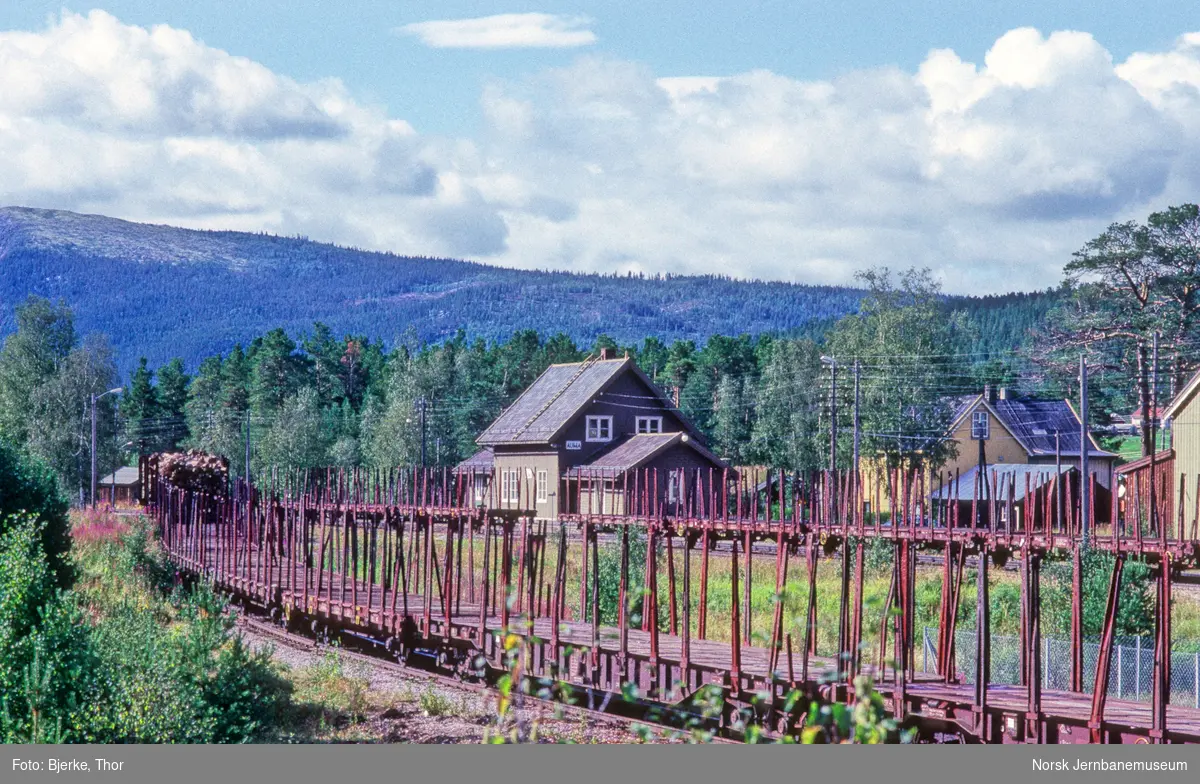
(1130, 674)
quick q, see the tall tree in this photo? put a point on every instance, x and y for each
(139, 409)
(731, 420)
(789, 397)
(277, 373)
(904, 341)
(60, 423)
(233, 416)
(326, 354)
(30, 358)
(653, 357)
(204, 404)
(172, 390)
(391, 434)
(295, 438)
(1121, 288)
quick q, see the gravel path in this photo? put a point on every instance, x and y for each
(396, 713)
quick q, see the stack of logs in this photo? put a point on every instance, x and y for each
(192, 470)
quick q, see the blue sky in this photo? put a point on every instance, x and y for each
(788, 140)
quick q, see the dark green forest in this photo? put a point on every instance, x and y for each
(755, 383)
(316, 397)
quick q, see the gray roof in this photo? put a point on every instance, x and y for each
(552, 402)
(482, 462)
(638, 449)
(1003, 474)
(1034, 423)
(125, 476)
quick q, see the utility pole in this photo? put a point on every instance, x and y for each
(247, 472)
(832, 432)
(1150, 420)
(1144, 399)
(421, 404)
(93, 451)
(982, 490)
(833, 423)
(94, 399)
(1085, 489)
(857, 421)
(1058, 480)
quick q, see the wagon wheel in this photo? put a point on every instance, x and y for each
(791, 724)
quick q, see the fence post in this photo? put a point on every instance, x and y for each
(1196, 680)
(1046, 665)
(1120, 672)
(1137, 672)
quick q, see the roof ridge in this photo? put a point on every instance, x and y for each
(584, 365)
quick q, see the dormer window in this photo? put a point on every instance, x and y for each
(980, 425)
(599, 428)
(649, 424)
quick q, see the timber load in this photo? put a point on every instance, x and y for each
(192, 470)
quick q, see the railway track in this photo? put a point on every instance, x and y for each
(372, 653)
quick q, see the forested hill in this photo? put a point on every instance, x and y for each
(162, 292)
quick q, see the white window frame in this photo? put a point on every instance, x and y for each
(481, 482)
(595, 424)
(510, 485)
(674, 481)
(650, 425)
(543, 486)
(978, 419)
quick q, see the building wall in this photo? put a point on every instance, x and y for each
(625, 400)
(1101, 467)
(1185, 439)
(121, 495)
(647, 489)
(999, 447)
(527, 465)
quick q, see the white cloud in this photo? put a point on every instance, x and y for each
(151, 124)
(991, 173)
(504, 31)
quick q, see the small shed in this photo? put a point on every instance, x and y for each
(1005, 487)
(477, 471)
(120, 488)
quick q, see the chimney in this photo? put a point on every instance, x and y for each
(989, 394)
(675, 395)
(1004, 393)
(603, 354)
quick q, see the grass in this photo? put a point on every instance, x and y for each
(330, 694)
(434, 703)
(1004, 590)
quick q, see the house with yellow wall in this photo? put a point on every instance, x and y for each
(1000, 429)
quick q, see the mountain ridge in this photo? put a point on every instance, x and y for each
(163, 291)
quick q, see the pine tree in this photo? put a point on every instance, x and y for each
(172, 401)
(139, 409)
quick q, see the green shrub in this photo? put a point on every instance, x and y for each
(610, 581)
(138, 672)
(190, 682)
(1135, 615)
(435, 704)
(327, 690)
(28, 487)
(44, 653)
